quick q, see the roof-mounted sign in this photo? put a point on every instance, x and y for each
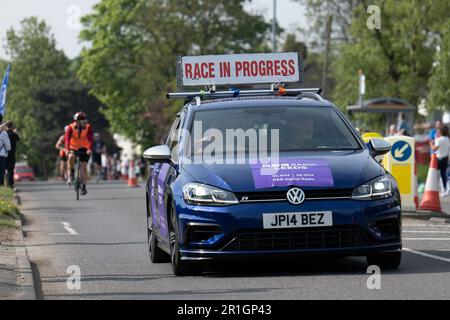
(239, 69)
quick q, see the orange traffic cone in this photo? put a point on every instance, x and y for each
(132, 181)
(430, 200)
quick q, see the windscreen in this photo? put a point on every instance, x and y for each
(296, 129)
(23, 170)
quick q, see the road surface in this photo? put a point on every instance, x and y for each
(104, 235)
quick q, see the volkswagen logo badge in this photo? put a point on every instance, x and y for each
(296, 196)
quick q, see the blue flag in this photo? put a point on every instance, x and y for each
(3, 89)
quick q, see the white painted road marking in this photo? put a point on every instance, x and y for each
(423, 231)
(69, 228)
(427, 239)
(426, 225)
(432, 256)
(71, 231)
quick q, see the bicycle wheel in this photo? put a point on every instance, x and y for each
(77, 178)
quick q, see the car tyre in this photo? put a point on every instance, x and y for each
(179, 267)
(157, 255)
(386, 260)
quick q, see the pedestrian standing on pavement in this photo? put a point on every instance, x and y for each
(433, 132)
(404, 128)
(442, 148)
(104, 158)
(392, 130)
(5, 147)
(11, 159)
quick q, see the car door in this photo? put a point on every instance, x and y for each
(161, 172)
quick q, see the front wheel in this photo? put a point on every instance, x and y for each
(179, 267)
(157, 255)
(385, 260)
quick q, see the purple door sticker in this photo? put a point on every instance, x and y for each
(161, 204)
(292, 171)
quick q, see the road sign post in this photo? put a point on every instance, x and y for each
(400, 163)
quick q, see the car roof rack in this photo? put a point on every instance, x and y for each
(311, 95)
(276, 90)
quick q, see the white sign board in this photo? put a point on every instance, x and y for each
(239, 69)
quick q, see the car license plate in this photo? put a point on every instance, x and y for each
(297, 220)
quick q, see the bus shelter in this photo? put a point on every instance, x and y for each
(391, 107)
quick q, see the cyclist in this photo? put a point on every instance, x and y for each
(98, 149)
(62, 155)
(79, 143)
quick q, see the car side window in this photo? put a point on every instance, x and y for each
(173, 137)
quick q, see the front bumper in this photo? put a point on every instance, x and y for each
(200, 255)
(236, 232)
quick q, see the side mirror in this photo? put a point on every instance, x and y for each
(379, 147)
(158, 154)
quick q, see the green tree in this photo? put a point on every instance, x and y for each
(439, 83)
(3, 66)
(36, 61)
(131, 60)
(44, 93)
(396, 58)
(292, 45)
(319, 11)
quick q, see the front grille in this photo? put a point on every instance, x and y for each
(281, 195)
(318, 238)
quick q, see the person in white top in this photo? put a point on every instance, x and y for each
(441, 147)
(5, 147)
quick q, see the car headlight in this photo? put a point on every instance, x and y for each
(379, 188)
(200, 194)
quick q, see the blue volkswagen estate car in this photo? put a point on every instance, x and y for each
(263, 177)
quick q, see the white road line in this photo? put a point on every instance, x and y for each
(69, 229)
(424, 231)
(427, 239)
(425, 225)
(432, 256)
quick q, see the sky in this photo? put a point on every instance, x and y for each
(62, 16)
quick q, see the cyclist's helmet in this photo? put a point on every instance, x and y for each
(80, 116)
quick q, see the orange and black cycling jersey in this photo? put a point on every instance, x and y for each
(79, 138)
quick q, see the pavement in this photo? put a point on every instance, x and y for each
(101, 241)
(16, 278)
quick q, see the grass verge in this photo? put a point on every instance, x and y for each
(9, 212)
